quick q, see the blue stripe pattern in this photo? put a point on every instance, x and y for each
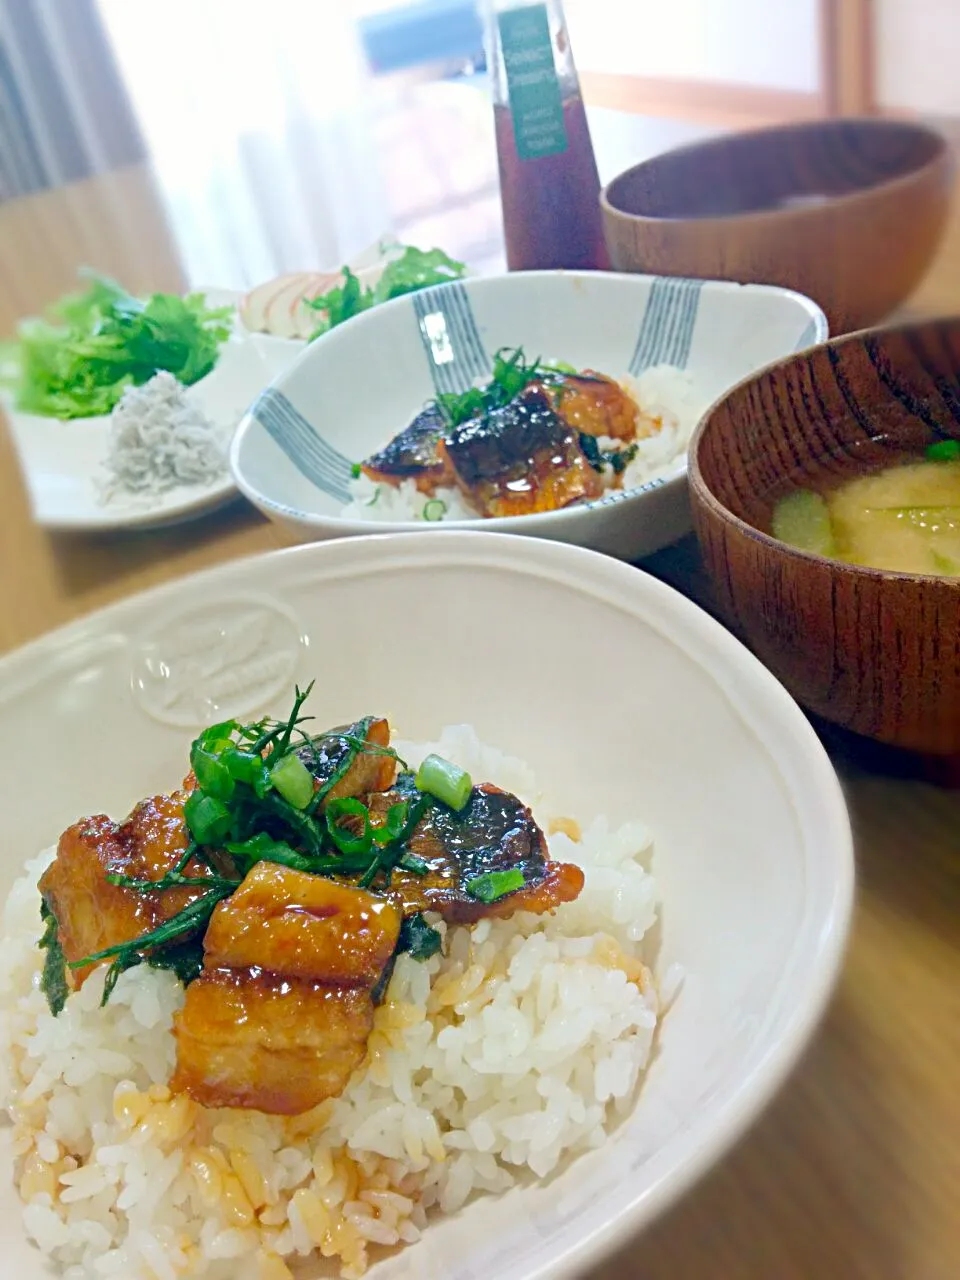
(669, 320)
(315, 459)
(450, 337)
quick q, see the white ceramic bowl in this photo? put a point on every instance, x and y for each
(625, 698)
(360, 384)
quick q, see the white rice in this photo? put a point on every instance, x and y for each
(667, 401)
(519, 1047)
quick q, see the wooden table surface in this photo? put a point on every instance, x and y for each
(855, 1169)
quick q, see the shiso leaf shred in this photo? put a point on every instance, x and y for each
(244, 811)
(53, 979)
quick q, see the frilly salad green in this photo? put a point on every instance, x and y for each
(414, 269)
(78, 362)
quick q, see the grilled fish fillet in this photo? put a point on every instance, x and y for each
(92, 913)
(303, 926)
(596, 404)
(521, 459)
(495, 831)
(246, 1038)
(413, 454)
(373, 768)
(280, 1017)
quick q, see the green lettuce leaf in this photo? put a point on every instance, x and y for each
(341, 303)
(414, 269)
(96, 343)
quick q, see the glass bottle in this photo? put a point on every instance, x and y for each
(549, 185)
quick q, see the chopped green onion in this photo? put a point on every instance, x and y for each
(392, 828)
(445, 781)
(213, 776)
(218, 736)
(417, 809)
(356, 471)
(561, 366)
(291, 777)
(208, 818)
(345, 841)
(494, 885)
(410, 862)
(943, 451)
(246, 766)
(263, 848)
(457, 408)
(435, 509)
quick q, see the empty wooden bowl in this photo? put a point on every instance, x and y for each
(875, 652)
(849, 212)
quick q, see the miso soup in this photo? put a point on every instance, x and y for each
(905, 518)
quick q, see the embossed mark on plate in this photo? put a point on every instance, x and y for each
(223, 659)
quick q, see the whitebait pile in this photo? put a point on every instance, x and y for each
(160, 439)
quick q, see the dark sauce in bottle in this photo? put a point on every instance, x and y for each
(549, 184)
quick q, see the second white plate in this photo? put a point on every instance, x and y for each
(62, 462)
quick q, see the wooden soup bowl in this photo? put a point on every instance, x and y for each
(875, 652)
(848, 212)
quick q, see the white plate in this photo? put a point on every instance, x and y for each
(62, 461)
(357, 386)
(624, 697)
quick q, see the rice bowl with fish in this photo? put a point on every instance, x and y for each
(491, 1056)
(538, 437)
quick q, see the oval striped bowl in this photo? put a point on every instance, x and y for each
(357, 386)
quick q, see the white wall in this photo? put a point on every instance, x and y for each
(918, 55)
(765, 43)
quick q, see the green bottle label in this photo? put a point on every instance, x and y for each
(536, 102)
